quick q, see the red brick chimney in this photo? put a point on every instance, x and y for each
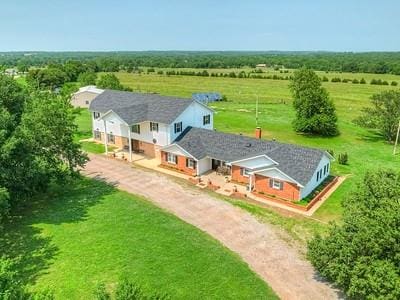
(258, 132)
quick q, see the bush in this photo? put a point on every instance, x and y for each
(10, 287)
(324, 78)
(336, 79)
(100, 292)
(343, 158)
(385, 82)
(355, 81)
(362, 81)
(393, 83)
(331, 152)
(361, 256)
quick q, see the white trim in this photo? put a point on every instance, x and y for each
(165, 149)
(109, 112)
(276, 169)
(253, 157)
(202, 104)
(329, 155)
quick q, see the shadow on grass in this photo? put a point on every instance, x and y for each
(25, 243)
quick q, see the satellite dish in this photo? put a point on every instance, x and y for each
(154, 141)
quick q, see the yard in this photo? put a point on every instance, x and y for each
(365, 148)
(87, 232)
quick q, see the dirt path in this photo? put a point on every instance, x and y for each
(259, 244)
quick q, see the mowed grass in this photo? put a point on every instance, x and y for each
(87, 232)
(365, 148)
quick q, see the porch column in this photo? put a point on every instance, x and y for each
(250, 182)
(105, 136)
(130, 144)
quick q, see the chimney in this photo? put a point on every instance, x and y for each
(258, 132)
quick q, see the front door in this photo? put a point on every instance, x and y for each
(135, 145)
(215, 163)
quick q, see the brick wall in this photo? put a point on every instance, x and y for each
(179, 166)
(237, 177)
(290, 191)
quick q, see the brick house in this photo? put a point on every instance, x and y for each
(287, 171)
(144, 123)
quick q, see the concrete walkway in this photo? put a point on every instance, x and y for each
(259, 244)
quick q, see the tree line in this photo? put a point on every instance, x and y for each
(368, 62)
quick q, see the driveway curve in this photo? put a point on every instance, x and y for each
(258, 244)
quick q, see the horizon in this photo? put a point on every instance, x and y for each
(299, 26)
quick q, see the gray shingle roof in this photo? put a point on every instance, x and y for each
(298, 162)
(136, 107)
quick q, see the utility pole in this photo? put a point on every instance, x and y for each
(257, 111)
(397, 139)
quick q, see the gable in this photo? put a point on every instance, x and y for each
(177, 150)
(254, 162)
(276, 173)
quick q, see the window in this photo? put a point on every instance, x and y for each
(178, 127)
(206, 119)
(87, 102)
(96, 115)
(97, 135)
(317, 175)
(111, 138)
(135, 128)
(190, 163)
(153, 126)
(171, 158)
(244, 172)
(275, 184)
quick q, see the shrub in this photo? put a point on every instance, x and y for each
(336, 79)
(345, 80)
(393, 83)
(324, 78)
(100, 292)
(160, 72)
(10, 287)
(127, 290)
(362, 81)
(385, 82)
(355, 81)
(343, 158)
(331, 152)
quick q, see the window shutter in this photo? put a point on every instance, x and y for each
(176, 159)
(270, 182)
(194, 164)
(166, 156)
(241, 171)
(187, 162)
(281, 185)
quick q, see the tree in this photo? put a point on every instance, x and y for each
(384, 114)
(362, 255)
(87, 78)
(315, 112)
(49, 78)
(109, 81)
(36, 142)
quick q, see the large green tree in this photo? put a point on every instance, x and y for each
(362, 256)
(383, 114)
(315, 112)
(36, 142)
(87, 78)
(109, 81)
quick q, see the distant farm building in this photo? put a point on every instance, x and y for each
(206, 97)
(261, 66)
(84, 96)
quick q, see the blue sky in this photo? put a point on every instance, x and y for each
(199, 25)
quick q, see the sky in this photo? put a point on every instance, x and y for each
(122, 25)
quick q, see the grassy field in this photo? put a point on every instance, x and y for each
(87, 232)
(365, 148)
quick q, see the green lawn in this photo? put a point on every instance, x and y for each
(365, 148)
(87, 232)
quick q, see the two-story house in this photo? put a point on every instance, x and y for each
(144, 122)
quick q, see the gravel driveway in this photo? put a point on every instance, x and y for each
(259, 244)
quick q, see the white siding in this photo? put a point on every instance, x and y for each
(203, 165)
(273, 173)
(147, 136)
(115, 125)
(313, 183)
(174, 149)
(192, 116)
(255, 162)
